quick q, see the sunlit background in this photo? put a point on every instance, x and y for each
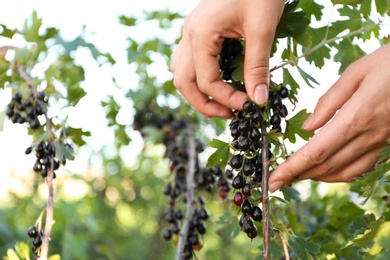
(102, 28)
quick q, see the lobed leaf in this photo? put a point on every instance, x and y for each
(221, 155)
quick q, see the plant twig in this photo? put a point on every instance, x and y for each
(284, 244)
(264, 196)
(190, 193)
(322, 44)
(50, 174)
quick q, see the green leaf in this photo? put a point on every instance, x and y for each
(288, 80)
(128, 21)
(77, 135)
(290, 193)
(221, 155)
(294, 127)
(311, 8)
(292, 22)
(318, 35)
(306, 77)
(302, 247)
(385, 152)
(352, 22)
(368, 183)
(54, 257)
(347, 2)
(31, 28)
(238, 73)
(383, 6)
(11, 254)
(2, 118)
(75, 93)
(7, 32)
(230, 229)
(378, 235)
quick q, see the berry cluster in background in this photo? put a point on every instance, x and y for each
(28, 110)
(176, 141)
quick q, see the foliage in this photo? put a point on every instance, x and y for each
(121, 211)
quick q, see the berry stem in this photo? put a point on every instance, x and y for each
(285, 248)
(264, 195)
(50, 172)
(191, 165)
(49, 214)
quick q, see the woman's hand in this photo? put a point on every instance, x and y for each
(355, 118)
(195, 65)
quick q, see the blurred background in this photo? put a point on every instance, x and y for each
(108, 200)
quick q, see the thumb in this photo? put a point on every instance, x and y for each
(256, 69)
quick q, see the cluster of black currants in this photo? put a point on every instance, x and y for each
(279, 110)
(197, 227)
(36, 238)
(245, 167)
(28, 110)
(176, 141)
(231, 49)
(45, 153)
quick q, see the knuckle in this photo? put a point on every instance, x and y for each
(324, 169)
(314, 156)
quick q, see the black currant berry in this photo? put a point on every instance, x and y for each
(204, 214)
(244, 127)
(28, 150)
(248, 168)
(167, 189)
(256, 214)
(275, 120)
(229, 173)
(238, 182)
(167, 235)
(236, 161)
(238, 198)
(244, 143)
(249, 106)
(37, 242)
(276, 102)
(242, 220)
(253, 233)
(257, 117)
(247, 190)
(246, 206)
(284, 92)
(249, 227)
(32, 231)
(255, 134)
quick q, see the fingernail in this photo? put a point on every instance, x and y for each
(261, 94)
(308, 122)
(275, 186)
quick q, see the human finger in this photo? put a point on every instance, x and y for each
(315, 152)
(185, 82)
(349, 153)
(354, 169)
(337, 95)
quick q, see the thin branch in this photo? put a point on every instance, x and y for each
(322, 44)
(50, 174)
(49, 213)
(190, 193)
(264, 195)
(284, 244)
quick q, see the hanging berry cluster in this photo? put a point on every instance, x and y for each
(176, 141)
(28, 110)
(36, 238)
(245, 167)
